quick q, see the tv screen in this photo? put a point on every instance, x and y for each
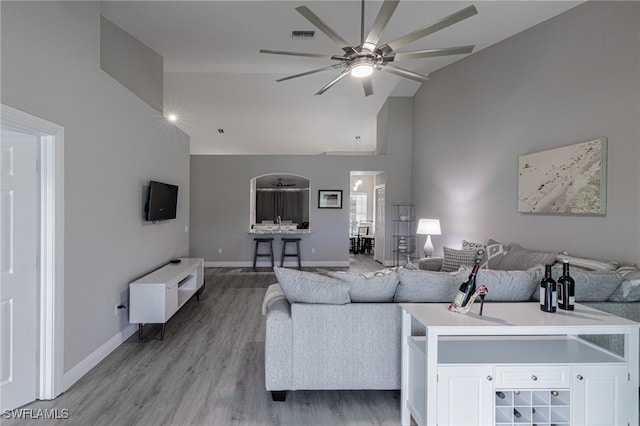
(162, 201)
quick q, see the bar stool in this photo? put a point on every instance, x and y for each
(256, 254)
(286, 241)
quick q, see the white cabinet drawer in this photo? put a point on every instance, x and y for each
(533, 376)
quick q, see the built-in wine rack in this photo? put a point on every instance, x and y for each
(541, 407)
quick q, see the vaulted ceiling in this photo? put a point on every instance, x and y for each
(224, 91)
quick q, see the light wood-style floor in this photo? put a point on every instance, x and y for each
(209, 370)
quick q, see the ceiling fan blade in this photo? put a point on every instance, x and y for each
(302, 74)
(340, 76)
(404, 73)
(326, 29)
(429, 29)
(384, 15)
(284, 52)
(431, 53)
(367, 84)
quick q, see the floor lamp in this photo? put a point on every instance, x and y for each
(428, 227)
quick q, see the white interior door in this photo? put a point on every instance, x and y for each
(18, 257)
(378, 254)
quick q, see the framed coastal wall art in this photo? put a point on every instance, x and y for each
(329, 199)
(567, 180)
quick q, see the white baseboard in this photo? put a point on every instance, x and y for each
(288, 264)
(84, 366)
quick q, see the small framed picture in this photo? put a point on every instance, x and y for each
(329, 199)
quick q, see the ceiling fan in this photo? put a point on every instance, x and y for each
(360, 61)
(279, 184)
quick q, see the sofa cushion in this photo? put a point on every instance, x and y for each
(453, 259)
(591, 286)
(506, 286)
(481, 252)
(495, 252)
(380, 287)
(521, 259)
(308, 287)
(425, 286)
(588, 264)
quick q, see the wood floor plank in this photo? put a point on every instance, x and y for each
(209, 370)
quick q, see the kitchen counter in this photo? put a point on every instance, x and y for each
(280, 231)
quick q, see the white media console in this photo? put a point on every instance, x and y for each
(154, 298)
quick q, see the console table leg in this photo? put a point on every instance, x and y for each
(162, 331)
(140, 331)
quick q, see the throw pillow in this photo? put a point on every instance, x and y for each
(308, 287)
(481, 252)
(521, 259)
(378, 288)
(588, 264)
(629, 291)
(453, 259)
(274, 293)
(506, 286)
(629, 272)
(591, 286)
(425, 286)
(495, 252)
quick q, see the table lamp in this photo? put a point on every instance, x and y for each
(428, 227)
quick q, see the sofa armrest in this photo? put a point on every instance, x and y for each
(278, 347)
(430, 263)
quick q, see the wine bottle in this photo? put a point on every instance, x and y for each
(500, 394)
(516, 413)
(467, 288)
(548, 295)
(566, 289)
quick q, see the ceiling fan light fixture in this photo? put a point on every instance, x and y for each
(362, 68)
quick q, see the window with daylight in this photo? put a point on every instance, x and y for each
(358, 208)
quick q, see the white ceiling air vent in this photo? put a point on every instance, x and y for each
(302, 35)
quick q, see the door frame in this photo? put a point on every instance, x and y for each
(50, 263)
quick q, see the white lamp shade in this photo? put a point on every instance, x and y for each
(429, 227)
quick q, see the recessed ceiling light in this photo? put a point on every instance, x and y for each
(172, 117)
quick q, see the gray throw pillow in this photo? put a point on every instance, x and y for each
(425, 286)
(495, 252)
(629, 291)
(591, 286)
(521, 259)
(506, 286)
(453, 259)
(588, 264)
(369, 289)
(307, 287)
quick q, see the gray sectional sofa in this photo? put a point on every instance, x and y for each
(342, 331)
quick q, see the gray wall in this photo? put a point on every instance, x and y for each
(114, 144)
(567, 80)
(220, 194)
(136, 67)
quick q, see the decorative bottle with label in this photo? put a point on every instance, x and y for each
(548, 294)
(467, 288)
(566, 289)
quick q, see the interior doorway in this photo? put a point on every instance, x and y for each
(364, 213)
(31, 258)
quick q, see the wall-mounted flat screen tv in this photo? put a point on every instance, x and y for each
(162, 202)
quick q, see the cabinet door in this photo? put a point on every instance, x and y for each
(599, 395)
(465, 395)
